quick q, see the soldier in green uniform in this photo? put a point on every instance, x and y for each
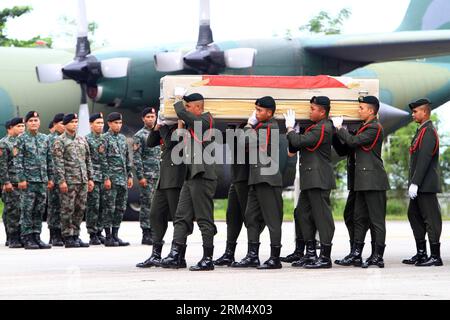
(34, 165)
(146, 164)
(118, 179)
(3, 165)
(237, 203)
(424, 213)
(316, 182)
(349, 209)
(370, 182)
(9, 181)
(168, 187)
(196, 195)
(264, 202)
(73, 175)
(54, 204)
(96, 142)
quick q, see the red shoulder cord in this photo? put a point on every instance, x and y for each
(209, 133)
(418, 144)
(322, 134)
(367, 149)
(267, 135)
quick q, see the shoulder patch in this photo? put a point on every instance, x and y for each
(15, 151)
(136, 146)
(101, 149)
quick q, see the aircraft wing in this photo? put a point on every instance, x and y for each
(382, 47)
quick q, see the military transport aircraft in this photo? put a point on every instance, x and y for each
(412, 62)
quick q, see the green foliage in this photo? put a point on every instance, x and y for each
(15, 12)
(68, 27)
(323, 23)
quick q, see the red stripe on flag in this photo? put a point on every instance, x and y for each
(300, 82)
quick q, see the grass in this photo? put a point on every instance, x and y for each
(396, 209)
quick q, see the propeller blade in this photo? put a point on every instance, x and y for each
(115, 68)
(240, 58)
(83, 120)
(48, 73)
(205, 36)
(84, 127)
(83, 47)
(169, 61)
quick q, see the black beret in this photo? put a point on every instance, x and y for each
(370, 100)
(31, 114)
(113, 116)
(419, 103)
(193, 97)
(148, 110)
(15, 121)
(58, 118)
(51, 125)
(7, 124)
(266, 102)
(321, 101)
(69, 117)
(95, 116)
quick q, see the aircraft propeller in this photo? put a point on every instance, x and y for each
(207, 56)
(85, 69)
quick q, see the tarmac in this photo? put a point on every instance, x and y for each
(110, 273)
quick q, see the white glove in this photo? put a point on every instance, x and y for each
(252, 120)
(179, 91)
(289, 118)
(160, 121)
(337, 122)
(413, 190)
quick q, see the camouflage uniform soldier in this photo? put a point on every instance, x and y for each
(9, 181)
(3, 168)
(146, 163)
(35, 172)
(94, 219)
(54, 205)
(73, 173)
(119, 179)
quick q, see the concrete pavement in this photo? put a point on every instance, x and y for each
(110, 273)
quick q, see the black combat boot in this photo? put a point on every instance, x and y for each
(206, 263)
(69, 242)
(297, 254)
(324, 260)
(175, 259)
(344, 261)
(355, 256)
(115, 234)
(377, 259)
(109, 240)
(29, 242)
(155, 258)
(147, 237)
(80, 242)
(56, 238)
(421, 255)
(251, 260)
(435, 257)
(101, 237)
(94, 240)
(228, 257)
(310, 255)
(14, 241)
(373, 245)
(274, 259)
(40, 243)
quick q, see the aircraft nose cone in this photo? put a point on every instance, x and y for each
(393, 118)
